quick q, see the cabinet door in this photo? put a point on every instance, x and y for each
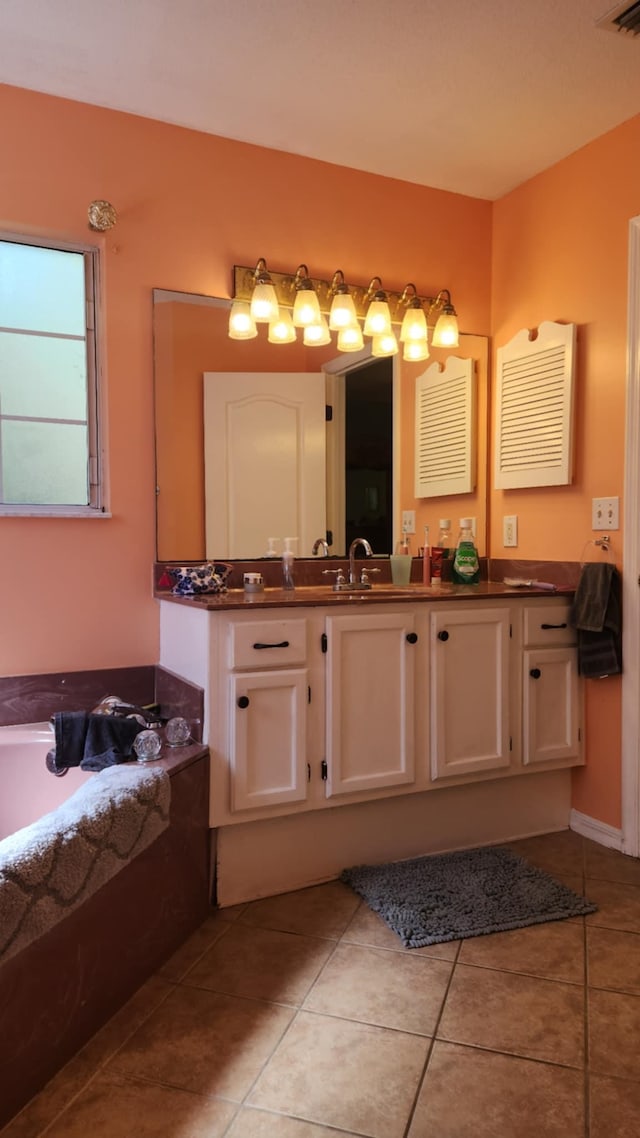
(550, 705)
(469, 690)
(267, 744)
(370, 701)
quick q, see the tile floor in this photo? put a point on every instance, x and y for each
(301, 1016)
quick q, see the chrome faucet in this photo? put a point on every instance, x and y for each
(320, 543)
(352, 556)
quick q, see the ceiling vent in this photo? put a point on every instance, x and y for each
(624, 18)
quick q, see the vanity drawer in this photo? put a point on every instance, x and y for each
(267, 644)
(548, 624)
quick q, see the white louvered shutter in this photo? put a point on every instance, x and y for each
(534, 408)
(445, 429)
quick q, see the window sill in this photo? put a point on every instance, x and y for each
(52, 512)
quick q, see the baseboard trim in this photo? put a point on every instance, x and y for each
(597, 831)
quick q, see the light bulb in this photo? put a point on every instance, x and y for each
(264, 303)
(350, 339)
(414, 325)
(242, 326)
(384, 345)
(378, 318)
(306, 309)
(415, 350)
(445, 333)
(315, 335)
(281, 330)
(343, 312)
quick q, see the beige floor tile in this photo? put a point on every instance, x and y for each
(116, 1108)
(614, 959)
(390, 989)
(522, 1015)
(75, 1075)
(366, 927)
(322, 910)
(554, 950)
(478, 1094)
(615, 1108)
(204, 1042)
(251, 1123)
(614, 1034)
(560, 853)
(177, 966)
(338, 1073)
(618, 905)
(611, 865)
(262, 964)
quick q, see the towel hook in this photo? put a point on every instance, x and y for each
(603, 543)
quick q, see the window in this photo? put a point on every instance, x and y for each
(48, 380)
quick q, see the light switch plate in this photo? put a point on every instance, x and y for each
(408, 521)
(605, 513)
(510, 530)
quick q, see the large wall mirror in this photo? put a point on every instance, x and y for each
(227, 410)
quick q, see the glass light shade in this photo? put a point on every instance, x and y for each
(378, 319)
(415, 350)
(350, 339)
(445, 333)
(264, 303)
(306, 309)
(384, 345)
(414, 325)
(282, 331)
(343, 312)
(315, 335)
(242, 326)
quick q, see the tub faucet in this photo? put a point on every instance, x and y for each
(352, 556)
(320, 543)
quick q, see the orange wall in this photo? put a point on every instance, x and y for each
(560, 244)
(77, 593)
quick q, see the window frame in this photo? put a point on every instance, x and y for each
(96, 506)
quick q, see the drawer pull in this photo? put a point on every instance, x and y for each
(412, 637)
(545, 626)
(282, 644)
(444, 635)
(535, 673)
(243, 701)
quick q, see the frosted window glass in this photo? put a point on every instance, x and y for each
(44, 463)
(41, 289)
(43, 377)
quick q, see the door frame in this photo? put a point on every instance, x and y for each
(631, 564)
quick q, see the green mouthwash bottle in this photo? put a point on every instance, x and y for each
(466, 566)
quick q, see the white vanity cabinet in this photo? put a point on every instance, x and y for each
(469, 655)
(551, 690)
(370, 689)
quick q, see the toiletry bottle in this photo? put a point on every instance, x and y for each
(426, 558)
(287, 563)
(441, 549)
(466, 567)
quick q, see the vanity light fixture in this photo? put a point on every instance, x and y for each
(264, 302)
(445, 333)
(306, 309)
(306, 300)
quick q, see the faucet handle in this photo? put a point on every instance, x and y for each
(365, 574)
(339, 575)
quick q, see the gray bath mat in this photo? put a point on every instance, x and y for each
(428, 900)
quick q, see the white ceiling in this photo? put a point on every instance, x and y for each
(473, 96)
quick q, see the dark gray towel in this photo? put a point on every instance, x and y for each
(597, 615)
(92, 742)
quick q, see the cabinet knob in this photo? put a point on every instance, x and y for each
(444, 635)
(243, 701)
(535, 673)
(412, 637)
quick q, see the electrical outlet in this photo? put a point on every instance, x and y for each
(408, 521)
(510, 530)
(605, 513)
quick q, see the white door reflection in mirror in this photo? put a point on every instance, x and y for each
(264, 442)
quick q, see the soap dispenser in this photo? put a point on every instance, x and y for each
(288, 558)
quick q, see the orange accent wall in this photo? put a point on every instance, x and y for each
(560, 247)
(78, 593)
